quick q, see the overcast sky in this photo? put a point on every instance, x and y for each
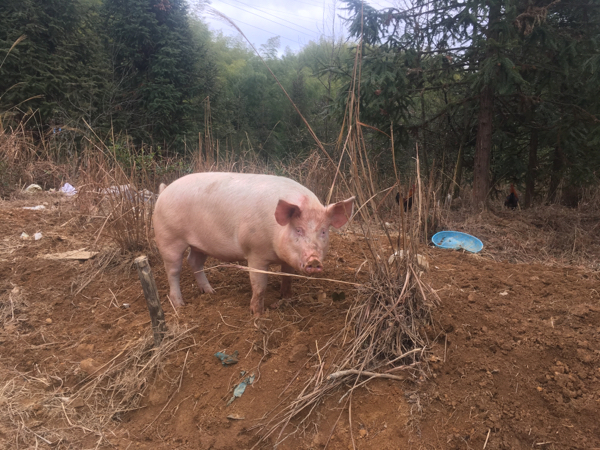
(297, 22)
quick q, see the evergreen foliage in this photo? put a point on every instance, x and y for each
(157, 67)
(59, 68)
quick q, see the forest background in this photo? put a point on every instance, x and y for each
(490, 92)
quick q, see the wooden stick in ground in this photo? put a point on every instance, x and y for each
(151, 293)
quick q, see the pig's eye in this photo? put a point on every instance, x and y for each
(323, 232)
(299, 231)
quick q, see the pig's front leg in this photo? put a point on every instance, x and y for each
(286, 282)
(259, 287)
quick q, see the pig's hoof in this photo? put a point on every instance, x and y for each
(176, 302)
(207, 290)
(276, 304)
(257, 311)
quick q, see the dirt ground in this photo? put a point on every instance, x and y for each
(516, 356)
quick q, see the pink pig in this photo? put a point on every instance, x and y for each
(263, 219)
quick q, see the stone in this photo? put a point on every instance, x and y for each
(84, 350)
(89, 366)
(298, 352)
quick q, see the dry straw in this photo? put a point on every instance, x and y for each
(40, 408)
(123, 199)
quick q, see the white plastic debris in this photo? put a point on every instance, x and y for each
(26, 237)
(448, 199)
(421, 260)
(116, 190)
(32, 188)
(398, 254)
(130, 193)
(67, 189)
(35, 208)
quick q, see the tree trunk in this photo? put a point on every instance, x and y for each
(483, 147)
(557, 168)
(423, 144)
(458, 169)
(531, 169)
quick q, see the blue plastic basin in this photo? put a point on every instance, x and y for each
(457, 240)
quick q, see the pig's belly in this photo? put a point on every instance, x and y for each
(222, 249)
(226, 240)
(230, 251)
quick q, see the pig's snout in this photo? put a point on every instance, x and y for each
(313, 266)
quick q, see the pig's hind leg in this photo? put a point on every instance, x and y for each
(172, 256)
(196, 259)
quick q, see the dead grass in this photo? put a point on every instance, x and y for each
(119, 199)
(39, 408)
(107, 258)
(12, 306)
(547, 234)
(24, 161)
(387, 327)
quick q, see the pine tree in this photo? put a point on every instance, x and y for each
(561, 63)
(522, 67)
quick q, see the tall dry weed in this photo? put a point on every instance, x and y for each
(119, 199)
(24, 160)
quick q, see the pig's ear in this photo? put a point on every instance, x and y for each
(339, 213)
(285, 212)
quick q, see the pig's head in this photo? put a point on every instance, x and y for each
(304, 239)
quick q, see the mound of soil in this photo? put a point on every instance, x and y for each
(516, 356)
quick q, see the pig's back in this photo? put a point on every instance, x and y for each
(237, 193)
